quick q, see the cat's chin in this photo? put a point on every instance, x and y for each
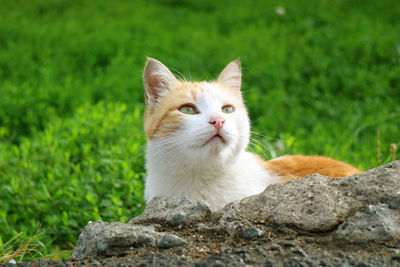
(215, 140)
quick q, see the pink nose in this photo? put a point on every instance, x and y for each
(217, 121)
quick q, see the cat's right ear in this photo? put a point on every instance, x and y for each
(158, 81)
(231, 75)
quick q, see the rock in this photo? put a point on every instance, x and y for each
(312, 221)
(173, 211)
(276, 247)
(299, 252)
(285, 205)
(98, 238)
(377, 224)
(270, 263)
(334, 200)
(251, 232)
(289, 244)
(170, 241)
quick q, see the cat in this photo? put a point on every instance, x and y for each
(197, 135)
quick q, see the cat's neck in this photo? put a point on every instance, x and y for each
(216, 179)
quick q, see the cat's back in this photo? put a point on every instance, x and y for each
(297, 166)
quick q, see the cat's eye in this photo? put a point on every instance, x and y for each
(228, 109)
(188, 109)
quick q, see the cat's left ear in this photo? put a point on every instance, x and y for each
(231, 75)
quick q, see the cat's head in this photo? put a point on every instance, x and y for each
(195, 122)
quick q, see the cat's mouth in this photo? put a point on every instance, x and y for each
(216, 138)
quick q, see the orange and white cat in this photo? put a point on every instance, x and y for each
(197, 136)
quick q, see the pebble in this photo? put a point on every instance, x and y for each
(170, 241)
(276, 247)
(289, 244)
(363, 264)
(261, 251)
(270, 263)
(323, 263)
(179, 251)
(101, 247)
(300, 252)
(177, 219)
(231, 218)
(396, 258)
(251, 232)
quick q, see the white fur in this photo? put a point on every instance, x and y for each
(182, 164)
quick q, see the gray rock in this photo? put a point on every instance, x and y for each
(289, 244)
(377, 224)
(170, 241)
(316, 220)
(299, 252)
(317, 203)
(251, 232)
(98, 238)
(276, 247)
(173, 211)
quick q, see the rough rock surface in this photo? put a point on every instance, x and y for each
(100, 238)
(315, 221)
(174, 212)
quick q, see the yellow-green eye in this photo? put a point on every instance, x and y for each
(188, 109)
(228, 109)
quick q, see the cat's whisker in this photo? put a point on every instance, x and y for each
(266, 149)
(179, 74)
(266, 137)
(190, 75)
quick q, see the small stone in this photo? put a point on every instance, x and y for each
(393, 204)
(289, 244)
(170, 241)
(350, 257)
(270, 263)
(391, 251)
(231, 218)
(109, 253)
(241, 251)
(224, 249)
(201, 264)
(300, 252)
(363, 264)
(310, 263)
(323, 263)
(179, 251)
(177, 219)
(261, 251)
(101, 247)
(251, 232)
(370, 209)
(276, 247)
(396, 258)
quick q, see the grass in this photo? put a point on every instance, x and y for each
(17, 248)
(320, 77)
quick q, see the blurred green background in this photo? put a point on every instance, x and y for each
(320, 77)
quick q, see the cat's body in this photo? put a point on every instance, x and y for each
(197, 135)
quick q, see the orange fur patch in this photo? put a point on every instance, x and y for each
(298, 166)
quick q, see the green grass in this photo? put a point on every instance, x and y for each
(323, 78)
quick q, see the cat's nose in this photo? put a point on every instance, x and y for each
(217, 121)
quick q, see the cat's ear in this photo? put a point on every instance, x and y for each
(231, 75)
(158, 81)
